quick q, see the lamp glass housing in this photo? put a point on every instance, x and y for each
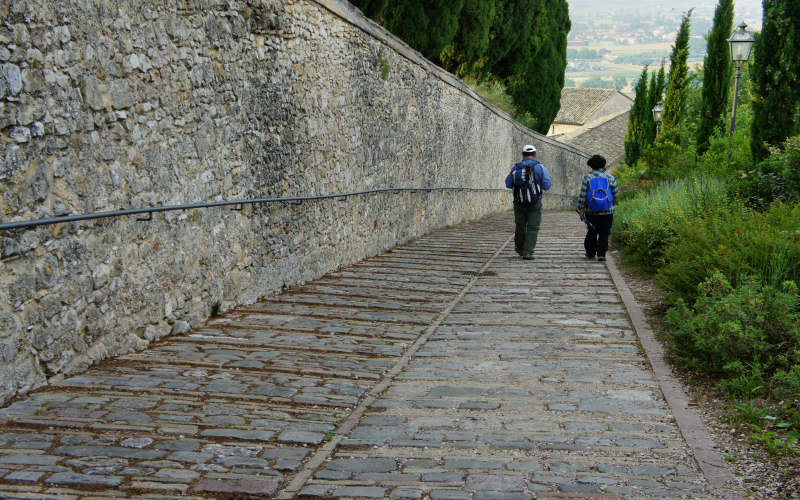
(657, 110)
(741, 43)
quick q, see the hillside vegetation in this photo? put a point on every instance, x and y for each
(715, 218)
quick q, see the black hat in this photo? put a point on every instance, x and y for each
(596, 162)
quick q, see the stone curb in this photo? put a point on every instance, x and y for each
(719, 477)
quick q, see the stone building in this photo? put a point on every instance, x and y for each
(581, 107)
(593, 120)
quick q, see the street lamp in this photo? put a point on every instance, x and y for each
(741, 43)
(657, 110)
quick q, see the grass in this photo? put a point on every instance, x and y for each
(494, 92)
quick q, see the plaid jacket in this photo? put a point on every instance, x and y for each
(612, 183)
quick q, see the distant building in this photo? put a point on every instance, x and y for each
(582, 106)
(593, 120)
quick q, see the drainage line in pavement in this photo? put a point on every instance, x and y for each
(291, 490)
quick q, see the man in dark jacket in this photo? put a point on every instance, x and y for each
(596, 207)
(528, 179)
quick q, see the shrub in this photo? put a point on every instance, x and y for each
(775, 178)
(786, 383)
(649, 223)
(665, 158)
(739, 334)
(721, 161)
(736, 242)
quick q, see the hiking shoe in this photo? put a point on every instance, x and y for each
(601, 257)
(590, 257)
(528, 256)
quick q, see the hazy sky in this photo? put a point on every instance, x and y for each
(747, 10)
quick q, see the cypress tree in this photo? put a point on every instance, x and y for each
(467, 54)
(649, 126)
(427, 25)
(776, 77)
(717, 71)
(536, 68)
(676, 86)
(550, 62)
(661, 83)
(408, 20)
(510, 32)
(443, 19)
(636, 121)
(371, 8)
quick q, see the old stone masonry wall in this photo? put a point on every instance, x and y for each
(113, 104)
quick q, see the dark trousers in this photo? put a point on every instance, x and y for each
(596, 242)
(527, 218)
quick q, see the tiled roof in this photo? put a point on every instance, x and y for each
(578, 104)
(606, 138)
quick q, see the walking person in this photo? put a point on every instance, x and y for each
(528, 179)
(596, 207)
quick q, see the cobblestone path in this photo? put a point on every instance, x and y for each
(446, 368)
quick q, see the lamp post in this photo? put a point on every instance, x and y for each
(741, 43)
(657, 110)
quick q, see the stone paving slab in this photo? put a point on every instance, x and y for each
(445, 368)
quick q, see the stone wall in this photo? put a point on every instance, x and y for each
(127, 103)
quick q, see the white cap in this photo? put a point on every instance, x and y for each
(529, 149)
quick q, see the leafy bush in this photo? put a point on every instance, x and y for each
(721, 161)
(740, 334)
(665, 158)
(786, 383)
(494, 91)
(649, 223)
(735, 241)
(775, 178)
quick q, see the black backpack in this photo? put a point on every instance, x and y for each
(526, 191)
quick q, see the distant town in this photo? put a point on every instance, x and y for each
(609, 45)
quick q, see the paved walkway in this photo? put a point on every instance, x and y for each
(446, 368)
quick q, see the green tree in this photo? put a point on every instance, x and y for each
(536, 74)
(427, 25)
(676, 85)
(371, 8)
(444, 16)
(776, 77)
(634, 137)
(520, 44)
(717, 72)
(466, 55)
(509, 32)
(653, 97)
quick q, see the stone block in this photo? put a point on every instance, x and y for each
(359, 492)
(13, 78)
(363, 464)
(264, 487)
(72, 479)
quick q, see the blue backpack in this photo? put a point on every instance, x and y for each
(525, 188)
(598, 196)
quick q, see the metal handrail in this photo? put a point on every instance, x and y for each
(170, 208)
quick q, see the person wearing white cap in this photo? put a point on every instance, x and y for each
(528, 179)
